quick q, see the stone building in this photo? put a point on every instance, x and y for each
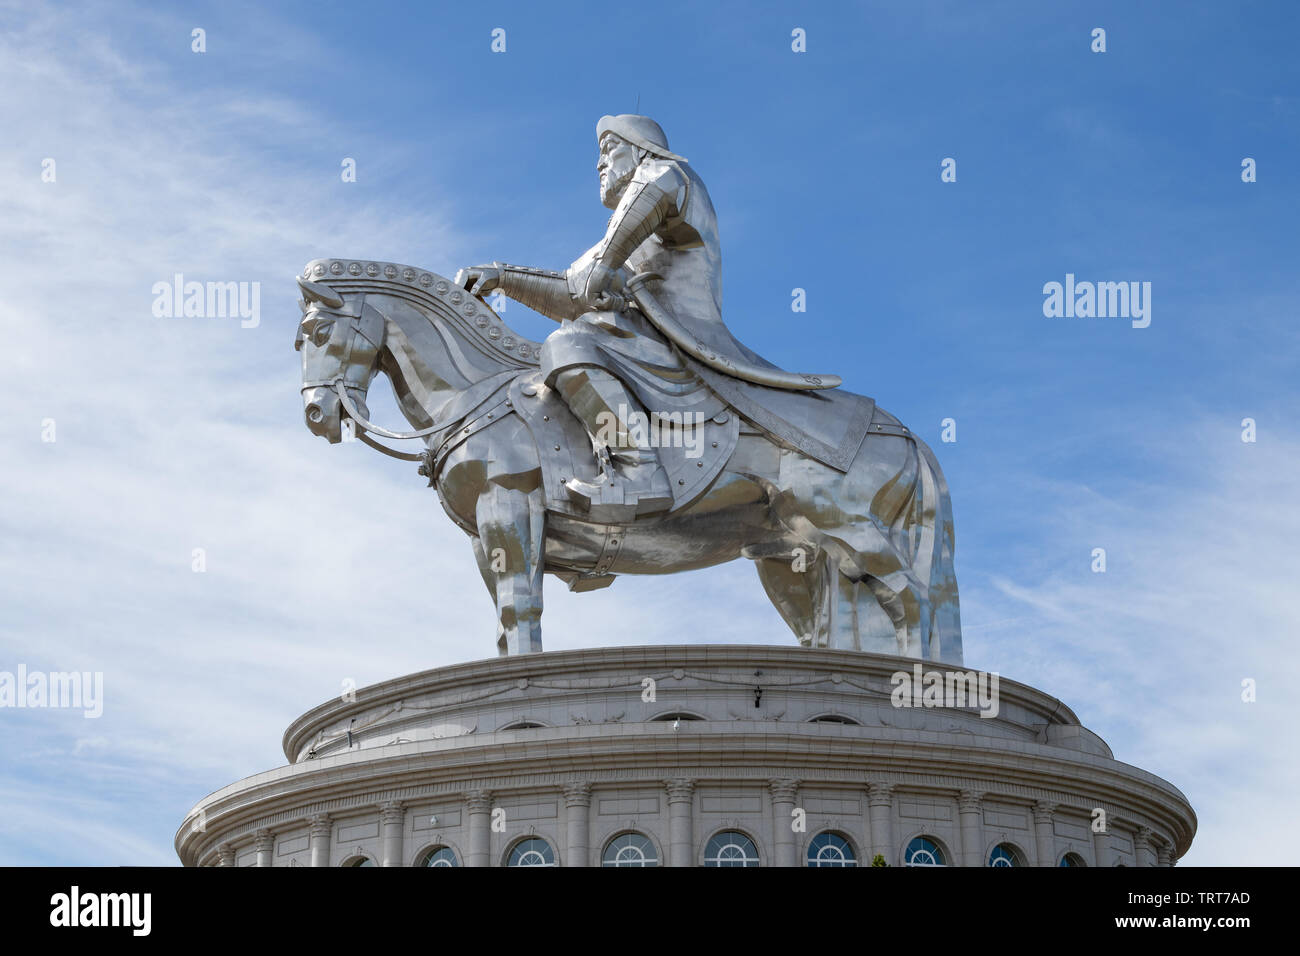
(704, 755)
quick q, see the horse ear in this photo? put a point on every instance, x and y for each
(315, 292)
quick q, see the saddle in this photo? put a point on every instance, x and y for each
(692, 453)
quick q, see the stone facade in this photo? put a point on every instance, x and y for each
(649, 753)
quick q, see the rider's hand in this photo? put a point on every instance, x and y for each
(479, 280)
(609, 302)
(599, 281)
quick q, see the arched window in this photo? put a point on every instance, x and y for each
(830, 849)
(834, 719)
(678, 715)
(630, 849)
(531, 851)
(1004, 854)
(358, 861)
(730, 848)
(438, 856)
(1072, 859)
(523, 725)
(922, 851)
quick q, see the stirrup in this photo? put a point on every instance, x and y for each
(613, 498)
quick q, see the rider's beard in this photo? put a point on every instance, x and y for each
(610, 194)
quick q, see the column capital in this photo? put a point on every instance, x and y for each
(392, 811)
(783, 789)
(226, 854)
(881, 794)
(1142, 838)
(577, 794)
(263, 840)
(970, 801)
(1043, 811)
(680, 789)
(1165, 855)
(478, 801)
(321, 824)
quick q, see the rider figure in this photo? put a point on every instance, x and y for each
(606, 361)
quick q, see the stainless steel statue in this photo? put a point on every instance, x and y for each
(641, 437)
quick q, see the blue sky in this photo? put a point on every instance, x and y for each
(824, 168)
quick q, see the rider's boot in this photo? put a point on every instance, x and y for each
(631, 483)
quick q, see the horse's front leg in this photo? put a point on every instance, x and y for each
(511, 528)
(490, 579)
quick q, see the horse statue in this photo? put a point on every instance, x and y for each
(853, 542)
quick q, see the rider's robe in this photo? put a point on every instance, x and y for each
(684, 249)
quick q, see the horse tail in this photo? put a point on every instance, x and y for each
(934, 559)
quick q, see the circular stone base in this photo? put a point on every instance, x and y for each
(693, 755)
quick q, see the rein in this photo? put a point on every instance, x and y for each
(341, 390)
(339, 385)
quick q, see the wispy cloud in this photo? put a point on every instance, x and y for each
(1198, 595)
(176, 434)
(322, 563)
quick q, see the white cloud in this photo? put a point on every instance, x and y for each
(1199, 594)
(324, 563)
(174, 434)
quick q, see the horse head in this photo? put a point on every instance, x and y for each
(429, 338)
(340, 338)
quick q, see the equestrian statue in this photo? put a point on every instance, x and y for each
(641, 437)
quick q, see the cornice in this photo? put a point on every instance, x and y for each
(709, 751)
(469, 679)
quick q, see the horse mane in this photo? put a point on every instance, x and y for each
(441, 302)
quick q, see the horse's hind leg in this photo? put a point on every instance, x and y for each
(889, 618)
(797, 595)
(827, 608)
(859, 612)
(511, 526)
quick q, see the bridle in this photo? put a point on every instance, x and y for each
(340, 385)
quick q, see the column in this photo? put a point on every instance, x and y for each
(479, 805)
(880, 800)
(971, 812)
(392, 820)
(681, 798)
(1044, 833)
(577, 804)
(225, 855)
(1101, 844)
(264, 840)
(783, 794)
(1164, 855)
(322, 827)
(1141, 846)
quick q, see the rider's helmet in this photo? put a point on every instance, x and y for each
(639, 131)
